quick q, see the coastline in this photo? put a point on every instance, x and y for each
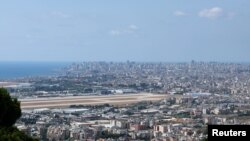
(17, 70)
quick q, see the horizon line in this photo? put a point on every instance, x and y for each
(131, 61)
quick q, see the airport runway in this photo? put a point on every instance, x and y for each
(120, 99)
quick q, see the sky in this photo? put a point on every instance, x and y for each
(121, 30)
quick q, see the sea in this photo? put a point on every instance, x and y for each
(16, 70)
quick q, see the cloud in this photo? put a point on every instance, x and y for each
(115, 32)
(180, 13)
(212, 13)
(123, 31)
(133, 27)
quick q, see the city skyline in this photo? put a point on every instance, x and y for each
(141, 31)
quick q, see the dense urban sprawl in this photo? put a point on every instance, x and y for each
(195, 94)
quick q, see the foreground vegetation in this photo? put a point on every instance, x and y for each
(10, 111)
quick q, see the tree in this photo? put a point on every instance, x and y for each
(13, 134)
(10, 109)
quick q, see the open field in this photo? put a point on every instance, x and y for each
(89, 100)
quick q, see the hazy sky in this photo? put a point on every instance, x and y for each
(120, 30)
